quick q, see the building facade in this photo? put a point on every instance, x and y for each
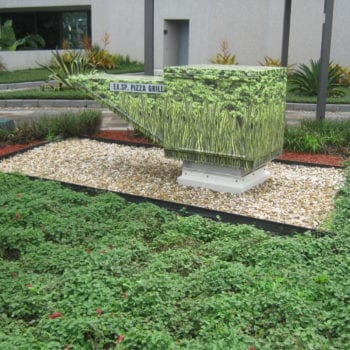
(185, 31)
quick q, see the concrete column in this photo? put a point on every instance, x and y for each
(149, 37)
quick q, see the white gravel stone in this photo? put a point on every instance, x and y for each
(295, 195)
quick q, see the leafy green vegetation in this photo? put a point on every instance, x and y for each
(276, 62)
(319, 136)
(9, 42)
(131, 67)
(62, 69)
(46, 94)
(42, 74)
(70, 63)
(23, 75)
(224, 56)
(298, 98)
(85, 272)
(50, 128)
(305, 79)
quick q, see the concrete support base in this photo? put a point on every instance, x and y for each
(222, 179)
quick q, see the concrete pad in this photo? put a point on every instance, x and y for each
(222, 179)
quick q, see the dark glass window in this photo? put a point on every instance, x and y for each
(60, 29)
(48, 26)
(75, 26)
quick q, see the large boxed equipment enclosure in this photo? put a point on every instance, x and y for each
(224, 122)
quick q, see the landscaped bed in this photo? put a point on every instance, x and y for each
(295, 195)
(81, 272)
(132, 137)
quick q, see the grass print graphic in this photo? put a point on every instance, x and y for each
(226, 115)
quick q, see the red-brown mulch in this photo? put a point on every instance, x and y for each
(130, 136)
(8, 149)
(324, 159)
(123, 135)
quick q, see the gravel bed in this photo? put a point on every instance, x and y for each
(295, 195)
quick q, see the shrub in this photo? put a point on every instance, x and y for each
(8, 40)
(124, 60)
(25, 132)
(224, 56)
(305, 80)
(327, 136)
(67, 57)
(54, 127)
(276, 62)
(101, 58)
(345, 78)
(68, 64)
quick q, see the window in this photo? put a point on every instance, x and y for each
(60, 29)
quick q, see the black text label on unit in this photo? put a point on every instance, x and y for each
(137, 88)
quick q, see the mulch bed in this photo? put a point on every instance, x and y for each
(131, 136)
(123, 135)
(8, 149)
(324, 159)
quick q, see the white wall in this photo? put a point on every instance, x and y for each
(25, 59)
(253, 28)
(341, 32)
(243, 24)
(123, 20)
(198, 14)
(306, 30)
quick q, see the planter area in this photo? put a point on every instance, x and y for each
(83, 271)
(8, 150)
(129, 137)
(96, 272)
(294, 195)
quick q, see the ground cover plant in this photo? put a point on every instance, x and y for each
(294, 97)
(319, 136)
(82, 272)
(42, 74)
(43, 93)
(23, 75)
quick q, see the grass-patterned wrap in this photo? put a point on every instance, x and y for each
(228, 115)
(217, 114)
(144, 111)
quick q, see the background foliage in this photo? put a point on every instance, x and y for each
(54, 127)
(9, 42)
(305, 79)
(325, 136)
